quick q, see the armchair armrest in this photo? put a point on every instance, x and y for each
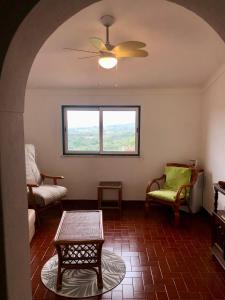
(186, 186)
(54, 178)
(32, 185)
(155, 181)
(51, 177)
(183, 187)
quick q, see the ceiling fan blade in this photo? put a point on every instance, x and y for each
(129, 45)
(131, 53)
(85, 57)
(97, 43)
(79, 50)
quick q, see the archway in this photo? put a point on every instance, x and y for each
(46, 16)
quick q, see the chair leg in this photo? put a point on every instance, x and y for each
(189, 208)
(60, 207)
(38, 222)
(177, 215)
(146, 207)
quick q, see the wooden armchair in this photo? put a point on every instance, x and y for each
(174, 188)
(41, 195)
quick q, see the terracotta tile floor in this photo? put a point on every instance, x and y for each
(162, 261)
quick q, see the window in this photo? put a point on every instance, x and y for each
(112, 130)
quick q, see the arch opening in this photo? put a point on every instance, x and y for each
(47, 16)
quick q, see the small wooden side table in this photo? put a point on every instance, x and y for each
(110, 185)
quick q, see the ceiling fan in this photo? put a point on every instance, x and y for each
(109, 54)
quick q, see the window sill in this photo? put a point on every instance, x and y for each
(102, 155)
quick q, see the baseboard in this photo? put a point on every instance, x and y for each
(206, 213)
(133, 203)
(93, 204)
(70, 204)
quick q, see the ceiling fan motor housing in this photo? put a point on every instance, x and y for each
(107, 20)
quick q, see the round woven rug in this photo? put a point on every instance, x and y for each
(83, 283)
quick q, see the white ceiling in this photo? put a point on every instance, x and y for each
(183, 49)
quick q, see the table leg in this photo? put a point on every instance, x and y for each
(100, 281)
(99, 197)
(59, 273)
(59, 277)
(120, 199)
(99, 273)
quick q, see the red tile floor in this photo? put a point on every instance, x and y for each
(162, 261)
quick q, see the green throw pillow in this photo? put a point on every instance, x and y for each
(176, 176)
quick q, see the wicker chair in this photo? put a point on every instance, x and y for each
(174, 188)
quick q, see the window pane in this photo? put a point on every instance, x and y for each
(83, 130)
(119, 131)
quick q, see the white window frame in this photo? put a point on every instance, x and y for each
(101, 109)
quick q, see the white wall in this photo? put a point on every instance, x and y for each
(170, 131)
(213, 133)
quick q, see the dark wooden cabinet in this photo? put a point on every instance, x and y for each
(218, 229)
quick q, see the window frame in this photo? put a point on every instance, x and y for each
(100, 108)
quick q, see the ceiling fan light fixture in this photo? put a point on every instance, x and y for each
(107, 62)
(109, 54)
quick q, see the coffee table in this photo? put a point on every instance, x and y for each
(78, 242)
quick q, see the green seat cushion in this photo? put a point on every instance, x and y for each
(164, 194)
(176, 176)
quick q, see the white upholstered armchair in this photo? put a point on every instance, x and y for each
(40, 194)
